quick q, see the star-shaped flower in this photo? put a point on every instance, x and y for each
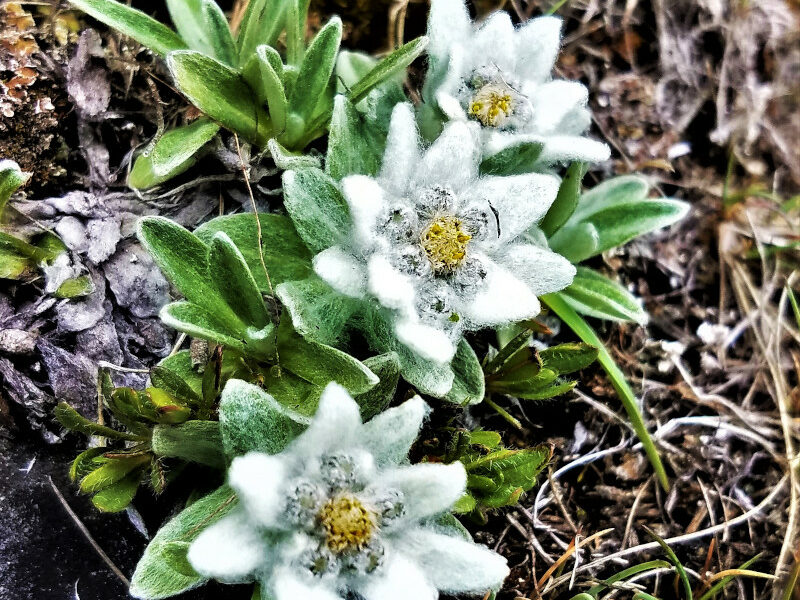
(439, 249)
(499, 77)
(340, 513)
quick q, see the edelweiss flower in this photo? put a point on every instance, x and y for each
(499, 77)
(336, 515)
(439, 248)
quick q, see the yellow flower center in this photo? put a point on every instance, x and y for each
(492, 105)
(348, 524)
(445, 242)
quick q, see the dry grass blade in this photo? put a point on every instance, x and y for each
(573, 547)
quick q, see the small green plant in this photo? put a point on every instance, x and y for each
(241, 81)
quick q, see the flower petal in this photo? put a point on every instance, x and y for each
(502, 299)
(428, 342)
(537, 45)
(402, 149)
(390, 434)
(453, 565)
(230, 550)
(258, 480)
(494, 42)
(559, 107)
(367, 203)
(569, 148)
(287, 586)
(342, 271)
(519, 200)
(401, 579)
(393, 289)
(452, 160)
(543, 270)
(449, 23)
(428, 488)
(336, 424)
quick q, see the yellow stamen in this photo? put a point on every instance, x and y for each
(348, 524)
(445, 242)
(492, 105)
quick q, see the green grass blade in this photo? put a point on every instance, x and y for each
(717, 587)
(629, 572)
(687, 586)
(584, 331)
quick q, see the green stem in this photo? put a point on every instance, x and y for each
(584, 331)
(503, 412)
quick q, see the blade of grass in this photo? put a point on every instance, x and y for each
(629, 572)
(687, 586)
(717, 587)
(584, 331)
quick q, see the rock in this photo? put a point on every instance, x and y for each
(80, 314)
(17, 341)
(35, 404)
(136, 282)
(72, 377)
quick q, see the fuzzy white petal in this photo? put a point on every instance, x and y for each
(493, 43)
(401, 579)
(366, 200)
(453, 565)
(452, 160)
(428, 488)
(230, 550)
(537, 45)
(568, 148)
(502, 299)
(555, 100)
(336, 424)
(449, 23)
(342, 271)
(520, 201)
(393, 289)
(451, 107)
(390, 434)
(402, 149)
(543, 270)
(258, 480)
(428, 342)
(287, 586)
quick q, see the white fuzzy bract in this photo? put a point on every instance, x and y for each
(340, 512)
(440, 249)
(499, 77)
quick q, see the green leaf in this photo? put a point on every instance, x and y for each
(162, 571)
(320, 364)
(566, 201)
(11, 179)
(568, 358)
(584, 331)
(285, 255)
(170, 381)
(118, 495)
(386, 368)
(598, 296)
(195, 441)
(221, 93)
(316, 70)
(84, 462)
(175, 152)
(202, 25)
(134, 23)
(74, 421)
(387, 68)
(12, 265)
(612, 192)
(296, 13)
(516, 159)
(75, 287)
(291, 161)
(317, 208)
(198, 322)
(234, 283)
(263, 73)
(684, 578)
(112, 470)
(262, 23)
(353, 147)
(468, 385)
(574, 242)
(318, 311)
(250, 419)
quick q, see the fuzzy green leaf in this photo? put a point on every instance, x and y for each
(202, 25)
(387, 68)
(112, 470)
(374, 401)
(263, 73)
(468, 385)
(250, 419)
(162, 572)
(353, 147)
(576, 241)
(194, 441)
(598, 296)
(285, 255)
(84, 463)
(221, 93)
(175, 152)
(262, 23)
(119, 494)
(318, 311)
(76, 287)
(172, 383)
(316, 70)
(134, 23)
(12, 265)
(516, 159)
(287, 160)
(11, 179)
(317, 208)
(612, 192)
(198, 322)
(566, 201)
(74, 421)
(568, 358)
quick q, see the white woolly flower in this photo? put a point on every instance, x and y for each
(499, 77)
(439, 248)
(338, 514)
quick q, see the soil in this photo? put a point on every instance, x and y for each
(698, 95)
